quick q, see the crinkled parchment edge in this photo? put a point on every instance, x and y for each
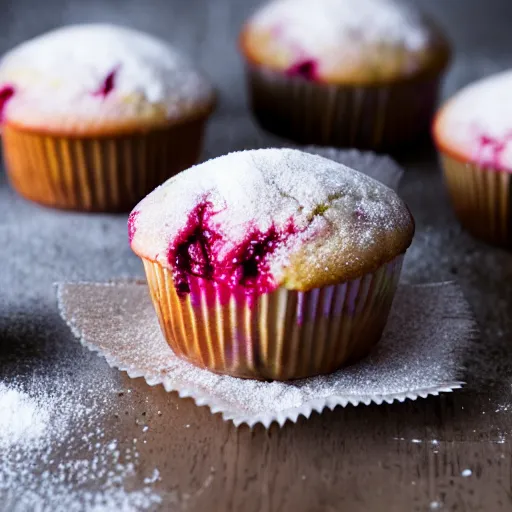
(266, 419)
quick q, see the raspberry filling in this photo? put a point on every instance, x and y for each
(307, 69)
(6, 93)
(248, 263)
(491, 149)
(193, 253)
(131, 225)
(108, 84)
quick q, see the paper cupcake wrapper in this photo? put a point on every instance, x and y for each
(276, 336)
(103, 174)
(342, 116)
(481, 197)
(420, 354)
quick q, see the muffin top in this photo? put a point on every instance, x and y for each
(269, 218)
(98, 77)
(476, 124)
(345, 41)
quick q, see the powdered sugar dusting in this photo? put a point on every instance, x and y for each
(339, 215)
(379, 167)
(477, 122)
(22, 419)
(84, 72)
(327, 23)
(340, 29)
(419, 354)
(39, 423)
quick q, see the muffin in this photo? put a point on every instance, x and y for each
(473, 132)
(271, 264)
(362, 73)
(94, 117)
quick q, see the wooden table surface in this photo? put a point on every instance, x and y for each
(445, 453)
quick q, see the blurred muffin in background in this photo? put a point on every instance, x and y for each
(362, 73)
(95, 116)
(473, 132)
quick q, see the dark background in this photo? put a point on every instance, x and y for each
(358, 458)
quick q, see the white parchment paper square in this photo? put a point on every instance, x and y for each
(419, 354)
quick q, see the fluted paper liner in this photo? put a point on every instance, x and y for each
(282, 335)
(482, 199)
(366, 117)
(419, 354)
(102, 174)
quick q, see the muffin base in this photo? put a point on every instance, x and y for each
(278, 336)
(97, 174)
(365, 117)
(481, 197)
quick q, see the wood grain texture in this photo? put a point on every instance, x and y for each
(401, 457)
